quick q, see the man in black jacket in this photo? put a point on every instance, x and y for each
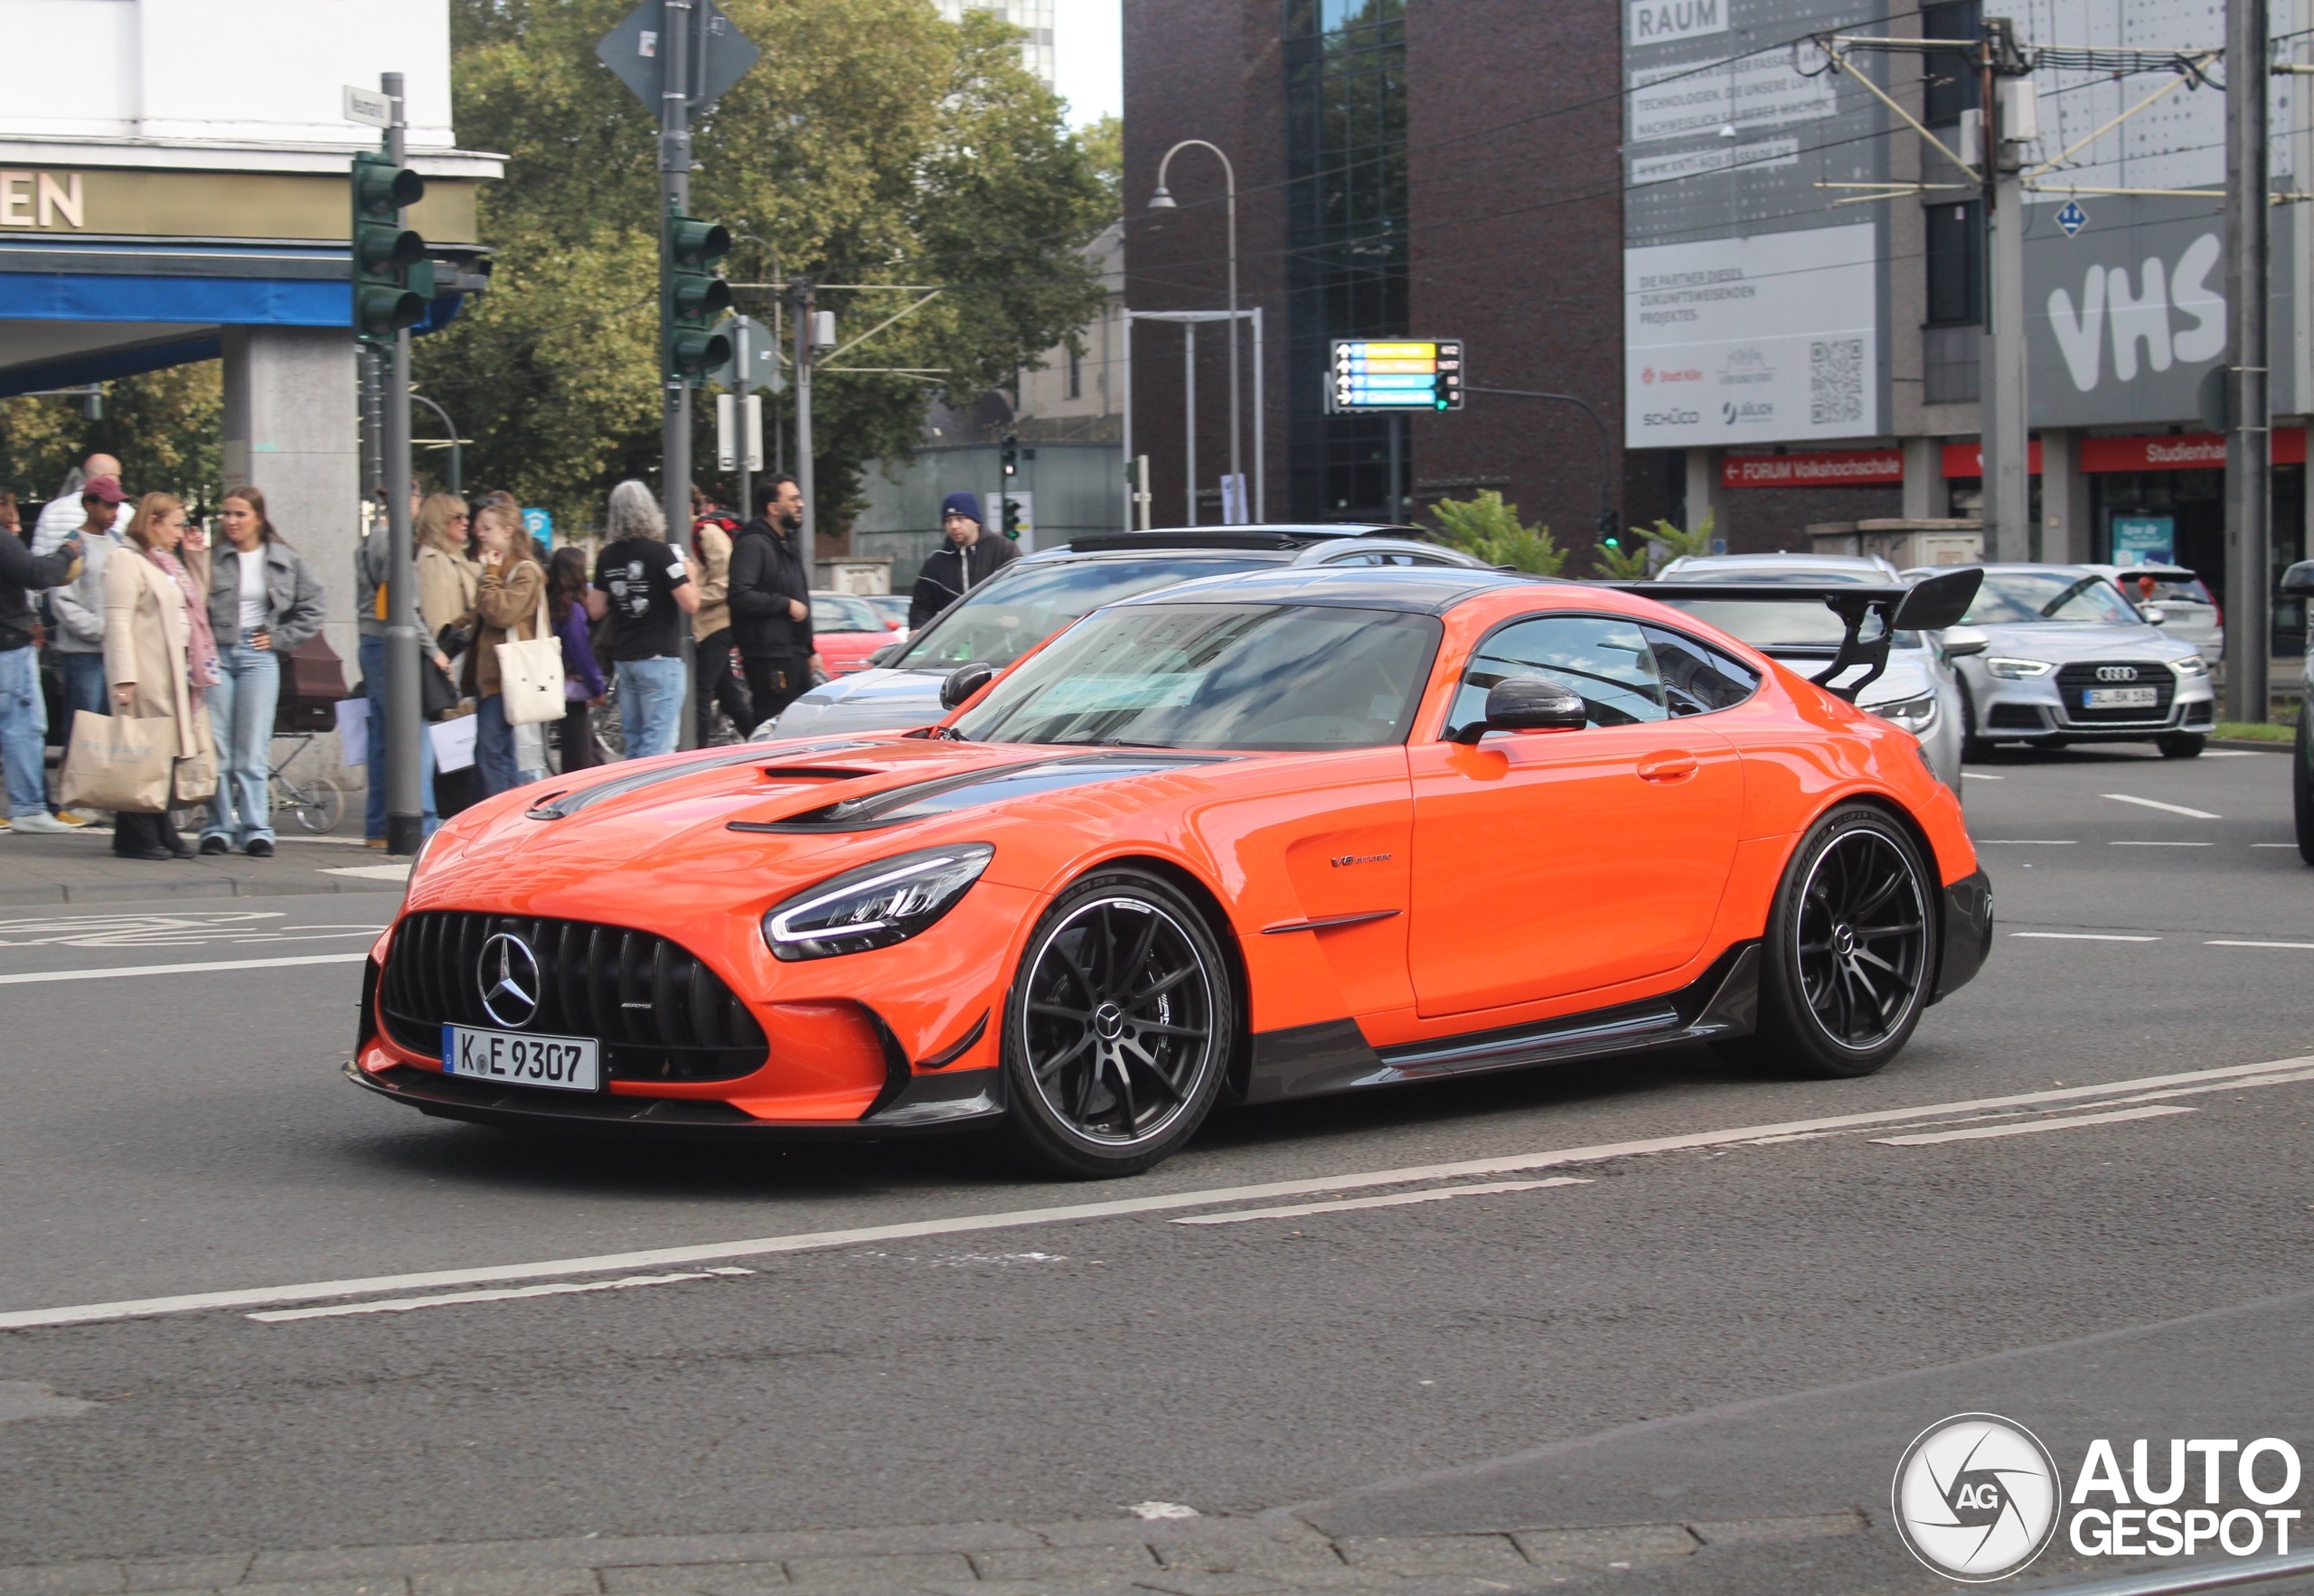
(24, 713)
(969, 558)
(771, 600)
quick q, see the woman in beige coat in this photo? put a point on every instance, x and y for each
(509, 605)
(159, 654)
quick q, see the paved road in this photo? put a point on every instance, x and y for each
(1501, 1360)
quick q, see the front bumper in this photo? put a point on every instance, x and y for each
(926, 1102)
(2035, 709)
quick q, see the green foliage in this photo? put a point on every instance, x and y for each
(1489, 528)
(875, 143)
(1648, 549)
(163, 427)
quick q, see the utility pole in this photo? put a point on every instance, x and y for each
(2010, 125)
(675, 197)
(2249, 439)
(806, 318)
(405, 727)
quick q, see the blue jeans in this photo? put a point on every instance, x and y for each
(24, 731)
(240, 718)
(84, 683)
(494, 746)
(374, 688)
(650, 704)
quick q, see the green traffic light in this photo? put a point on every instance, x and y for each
(380, 247)
(696, 243)
(700, 295)
(693, 353)
(382, 188)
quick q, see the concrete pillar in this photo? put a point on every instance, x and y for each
(2067, 533)
(1924, 479)
(1702, 491)
(290, 431)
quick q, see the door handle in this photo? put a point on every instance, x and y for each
(1672, 765)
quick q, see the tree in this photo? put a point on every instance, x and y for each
(1490, 528)
(162, 425)
(1648, 549)
(874, 144)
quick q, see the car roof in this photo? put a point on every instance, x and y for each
(1749, 567)
(1415, 590)
(2007, 566)
(1261, 535)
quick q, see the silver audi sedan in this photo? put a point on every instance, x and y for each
(2068, 660)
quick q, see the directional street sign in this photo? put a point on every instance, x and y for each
(2073, 218)
(631, 50)
(1370, 374)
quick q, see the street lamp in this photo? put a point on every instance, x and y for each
(1163, 200)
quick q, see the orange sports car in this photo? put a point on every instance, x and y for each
(1257, 837)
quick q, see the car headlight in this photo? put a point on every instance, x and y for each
(2012, 670)
(2191, 666)
(876, 905)
(1914, 715)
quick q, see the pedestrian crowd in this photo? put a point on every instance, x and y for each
(147, 618)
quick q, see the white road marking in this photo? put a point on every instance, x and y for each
(1986, 1132)
(2080, 936)
(2161, 845)
(2199, 814)
(2237, 752)
(2273, 844)
(2217, 943)
(1435, 1195)
(2246, 1075)
(39, 975)
(2026, 842)
(1978, 776)
(396, 872)
(559, 1289)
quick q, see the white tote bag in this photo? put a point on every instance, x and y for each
(530, 674)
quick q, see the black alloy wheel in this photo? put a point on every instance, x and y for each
(1118, 1028)
(1850, 953)
(2181, 744)
(2301, 788)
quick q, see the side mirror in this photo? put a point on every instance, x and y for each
(883, 655)
(890, 624)
(1527, 703)
(2154, 614)
(1959, 642)
(2298, 581)
(1937, 602)
(957, 688)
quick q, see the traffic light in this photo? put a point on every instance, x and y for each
(696, 298)
(1012, 527)
(1010, 454)
(393, 282)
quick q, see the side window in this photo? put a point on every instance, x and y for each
(1608, 660)
(1698, 679)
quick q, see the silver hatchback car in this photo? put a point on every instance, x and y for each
(2069, 660)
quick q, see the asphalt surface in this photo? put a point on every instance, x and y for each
(1741, 1327)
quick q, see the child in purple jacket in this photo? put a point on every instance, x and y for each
(582, 678)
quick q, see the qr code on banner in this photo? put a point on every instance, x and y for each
(1836, 380)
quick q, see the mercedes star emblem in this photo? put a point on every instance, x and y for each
(509, 975)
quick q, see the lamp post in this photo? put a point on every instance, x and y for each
(1608, 519)
(1163, 200)
(457, 447)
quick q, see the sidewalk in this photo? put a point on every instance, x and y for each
(82, 869)
(1191, 1556)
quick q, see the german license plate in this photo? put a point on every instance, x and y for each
(568, 1064)
(2120, 697)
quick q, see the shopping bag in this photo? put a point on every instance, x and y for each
(453, 741)
(352, 731)
(119, 763)
(195, 780)
(530, 674)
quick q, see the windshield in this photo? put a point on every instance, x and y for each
(840, 611)
(999, 623)
(2010, 596)
(2148, 589)
(1292, 678)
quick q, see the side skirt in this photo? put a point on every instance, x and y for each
(1311, 1060)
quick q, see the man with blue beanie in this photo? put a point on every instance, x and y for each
(969, 558)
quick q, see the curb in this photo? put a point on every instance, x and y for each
(2252, 744)
(210, 887)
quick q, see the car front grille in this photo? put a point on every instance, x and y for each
(2074, 680)
(660, 1013)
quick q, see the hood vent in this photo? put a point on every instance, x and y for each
(562, 806)
(917, 800)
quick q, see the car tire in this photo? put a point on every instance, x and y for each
(2301, 789)
(2181, 744)
(1835, 1005)
(1118, 1030)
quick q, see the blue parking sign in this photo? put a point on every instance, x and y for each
(540, 527)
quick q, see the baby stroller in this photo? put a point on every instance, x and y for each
(312, 680)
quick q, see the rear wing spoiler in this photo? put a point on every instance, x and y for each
(1931, 605)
